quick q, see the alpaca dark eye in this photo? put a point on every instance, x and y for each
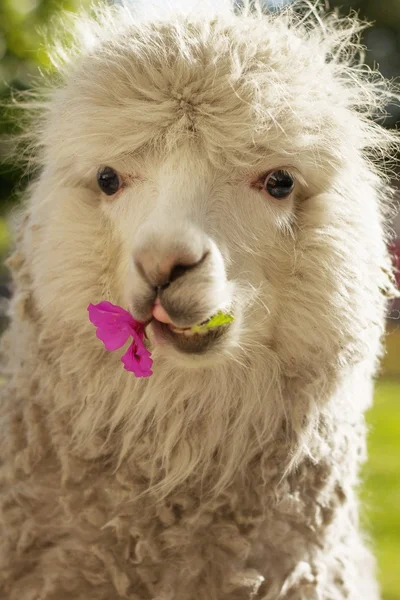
(279, 184)
(109, 181)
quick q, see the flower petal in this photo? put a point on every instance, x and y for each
(137, 359)
(105, 312)
(113, 338)
(114, 325)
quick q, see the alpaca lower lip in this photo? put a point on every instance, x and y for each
(195, 343)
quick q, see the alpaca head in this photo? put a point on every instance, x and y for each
(215, 164)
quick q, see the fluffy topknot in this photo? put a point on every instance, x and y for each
(348, 99)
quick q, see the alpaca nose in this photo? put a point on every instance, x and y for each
(161, 271)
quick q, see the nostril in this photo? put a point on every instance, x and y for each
(159, 272)
(177, 271)
(180, 269)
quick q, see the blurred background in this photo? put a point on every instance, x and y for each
(22, 56)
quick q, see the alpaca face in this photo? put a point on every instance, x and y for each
(195, 241)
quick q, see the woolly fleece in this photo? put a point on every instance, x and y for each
(233, 477)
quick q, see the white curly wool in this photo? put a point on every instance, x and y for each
(231, 475)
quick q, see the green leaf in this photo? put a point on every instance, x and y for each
(216, 321)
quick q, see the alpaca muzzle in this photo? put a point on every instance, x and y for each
(181, 285)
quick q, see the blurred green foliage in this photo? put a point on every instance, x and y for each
(23, 24)
(384, 12)
(381, 489)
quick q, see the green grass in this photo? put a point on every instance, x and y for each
(4, 237)
(381, 492)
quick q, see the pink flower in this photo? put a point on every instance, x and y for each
(114, 327)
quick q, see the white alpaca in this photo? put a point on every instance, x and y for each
(222, 161)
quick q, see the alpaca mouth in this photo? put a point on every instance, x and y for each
(186, 340)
